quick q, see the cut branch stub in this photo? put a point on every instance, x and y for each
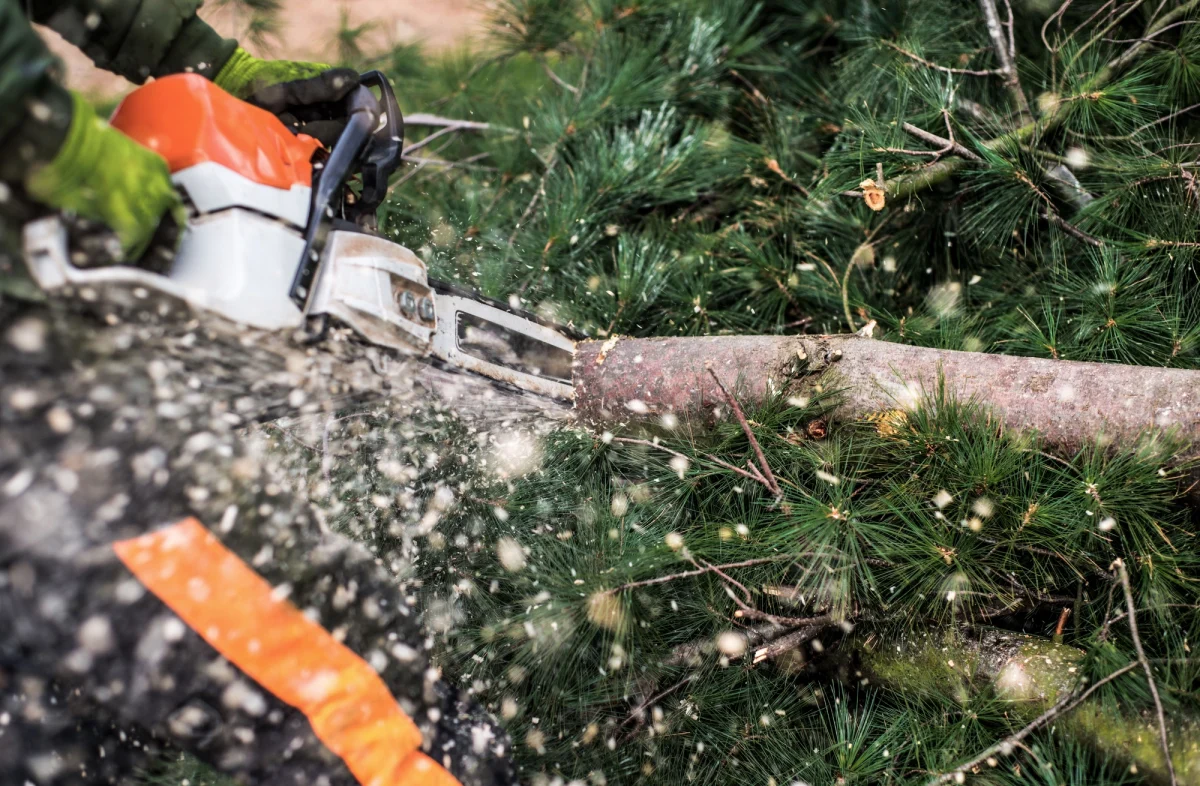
(1070, 404)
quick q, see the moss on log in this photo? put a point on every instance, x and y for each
(1033, 674)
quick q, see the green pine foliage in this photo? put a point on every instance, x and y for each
(689, 160)
(927, 523)
(694, 167)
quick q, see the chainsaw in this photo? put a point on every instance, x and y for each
(281, 235)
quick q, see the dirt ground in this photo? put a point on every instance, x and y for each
(308, 32)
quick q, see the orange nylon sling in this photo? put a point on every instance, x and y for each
(234, 609)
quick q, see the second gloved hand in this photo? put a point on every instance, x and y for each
(102, 175)
(298, 92)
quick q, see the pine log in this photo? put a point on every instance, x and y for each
(1031, 675)
(1070, 404)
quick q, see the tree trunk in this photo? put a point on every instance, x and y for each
(1069, 403)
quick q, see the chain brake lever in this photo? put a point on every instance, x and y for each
(384, 153)
(363, 114)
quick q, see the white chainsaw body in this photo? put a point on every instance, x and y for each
(241, 249)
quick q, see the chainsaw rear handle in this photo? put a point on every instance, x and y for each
(371, 144)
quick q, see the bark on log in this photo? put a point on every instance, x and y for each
(1069, 403)
(1033, 674)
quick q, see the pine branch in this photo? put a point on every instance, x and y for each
(1005, 53)
(1009, 743)
(768, 477)
(935, 173)
(942, 68)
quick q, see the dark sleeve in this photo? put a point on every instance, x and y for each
(134, 38)
(138, 38)
(36, 109)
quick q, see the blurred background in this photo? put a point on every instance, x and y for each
(307, 30)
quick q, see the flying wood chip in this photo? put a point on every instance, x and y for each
(873, 195)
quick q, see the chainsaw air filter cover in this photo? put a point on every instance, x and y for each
(249, 181)
(188, 120)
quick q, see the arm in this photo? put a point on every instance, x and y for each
(37, 110)
(138, 38)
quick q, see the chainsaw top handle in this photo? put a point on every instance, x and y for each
(386, 147)
(372, 145)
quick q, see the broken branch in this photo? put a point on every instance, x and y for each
(768, 476)
(1131, 608)
(947, 145)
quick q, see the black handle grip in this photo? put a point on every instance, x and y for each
(362, 116)
(371, 144)
(386, 148)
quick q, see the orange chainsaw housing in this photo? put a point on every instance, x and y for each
(188, 120)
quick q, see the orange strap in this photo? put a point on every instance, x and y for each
(232, 608)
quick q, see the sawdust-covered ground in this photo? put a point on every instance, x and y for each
(114, 422)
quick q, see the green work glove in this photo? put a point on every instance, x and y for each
(306, 96)
(102, 175)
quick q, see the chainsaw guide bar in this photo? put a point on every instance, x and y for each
(275, 243)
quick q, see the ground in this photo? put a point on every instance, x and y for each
(309, 28)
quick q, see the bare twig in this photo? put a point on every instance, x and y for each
(636, 713)
(529, 208)
(1062, 9)
(1153, 29)
(699, 571)
(1054, 218)
(756, 476)
(1150, 39)
(741, 417)
(415, 146)
(1012, 43)
(755, 93)
(465, 163)
(755, 614)
(942, 68)
(1129, 10)
(1007, 58)
(437, 121)
(558, 80)
(947, 145)
(846, 297)
(1131, 608)
(1063, 705)
(1164, 119)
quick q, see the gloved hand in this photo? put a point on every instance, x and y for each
(103, 175)
(299, 93)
